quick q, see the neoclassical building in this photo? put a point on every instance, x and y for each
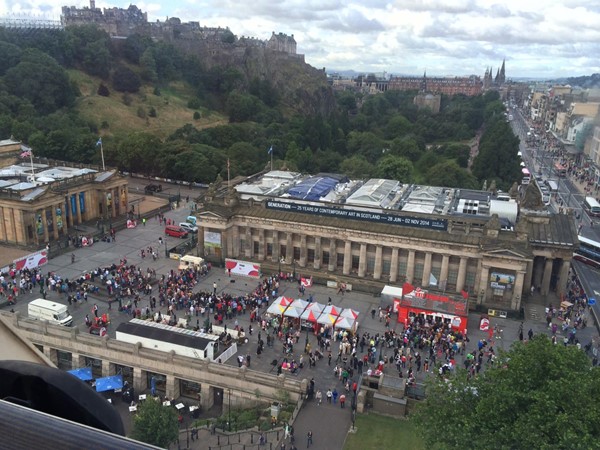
(41, 200)
(378, 232)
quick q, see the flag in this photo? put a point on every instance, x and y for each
(25, 154)
(432, 280)
(464, 294)
(306, 282)
(99, 142)
(270, 151)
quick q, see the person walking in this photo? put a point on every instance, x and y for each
(342, 400)
(309, 438)
(329, 395)
(319, 397)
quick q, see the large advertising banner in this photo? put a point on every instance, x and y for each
(243, 268)
(212, 239)
(32, 261)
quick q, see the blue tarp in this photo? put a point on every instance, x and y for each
(109, 383)
(83, 373)
(313, 188)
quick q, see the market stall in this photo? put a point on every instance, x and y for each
(279, 305)
(296, 309)
(433, 307)
(308, 318)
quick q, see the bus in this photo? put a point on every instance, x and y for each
(591, 206)
(526, 176)
(560, 170)
(588, 251)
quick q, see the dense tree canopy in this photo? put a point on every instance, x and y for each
(539, 396)
(155, 424)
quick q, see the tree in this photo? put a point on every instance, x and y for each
(395, 168)
(126, 80)
(155, 424)
(450, 174)
(539, 395)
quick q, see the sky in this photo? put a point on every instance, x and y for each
(542, 39)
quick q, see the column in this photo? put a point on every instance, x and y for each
(394, 265)
(546, 278)
(3, 235)
(515, 303)
(108, 368)
(462, 274)
(443, 281)
(318, 253)
(426, 270)
(140, 382)
(78, 205)
(68, 211)
(332, 255)
(289, 248)
(483, 284)
(528, 277)
(77, 361)
(249, 244)
(303, 251)
(347, 258)
(64, 219)
(362, 260)
(275, 255)
(115, 198)
(561, 285)
(378, 262)
(44, 224)
(55, 228)
(200, 244)
(410, 266)
(172, 387)
(261, 244)
(235, 231)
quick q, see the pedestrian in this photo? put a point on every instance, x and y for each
(329, 395)
(319, 397)
(95, 309)
(309, 439)
(342, 400)
(334, 395)
(530, 334)
(144, 221)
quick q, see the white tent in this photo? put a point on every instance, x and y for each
(392, 291)
(349, 313)
(312, 312)
(296, 308)
(279, 305)
(346, 323)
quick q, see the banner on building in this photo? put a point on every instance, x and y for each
(212, 239)
(243, 268)
(502, 278)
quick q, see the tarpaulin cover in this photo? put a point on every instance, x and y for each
(312, 312)
(109, 383)
(313, 188)
(350, 313)
(83, 373)
(296, 308)
(279, 306)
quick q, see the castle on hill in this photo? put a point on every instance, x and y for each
(121, 23)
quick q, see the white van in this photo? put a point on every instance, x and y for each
(51, 311)
(189, 261)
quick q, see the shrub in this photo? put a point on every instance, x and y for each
(103, 90)
(196, 115)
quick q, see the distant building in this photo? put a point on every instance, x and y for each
(42, 201)
(469, 86)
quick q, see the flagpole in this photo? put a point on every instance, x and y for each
(271, 159)
(32, 170)
(228, 176)
(102, 154)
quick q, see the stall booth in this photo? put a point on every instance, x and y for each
(296, 309)
(308, 319)
(279, 305)
(347, 320)
(434, 307)
(393, 295)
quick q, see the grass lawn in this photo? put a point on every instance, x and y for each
(381, 432)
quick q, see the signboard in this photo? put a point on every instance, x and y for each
(368, 216)
(502, 278)
(497, 285)
(591, 301)
(243, 268)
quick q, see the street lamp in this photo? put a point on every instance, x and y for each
(229, 412)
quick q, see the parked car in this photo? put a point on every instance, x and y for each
(151, 188)
(189, 227)
(176, 231)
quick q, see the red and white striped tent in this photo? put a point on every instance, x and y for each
(279, 305)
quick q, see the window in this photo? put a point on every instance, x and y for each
(386, 266)
(326, 258)
(64, 360)
(255, 247)
(498, 292)
(340, 260)
(370, 265)
(452, 279)
(127, 373)
(269, 250)
(310, 255)
(296, 253)
(242, 245)
(189, 389)
(418, 273)
(160, 382)
(96, 365)
(470, 281)
(282, 251)
(402, 266)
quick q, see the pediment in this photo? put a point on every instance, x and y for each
(504, 253)
(209, 214)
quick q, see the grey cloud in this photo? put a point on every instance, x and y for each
(438, 6)
(353, 21)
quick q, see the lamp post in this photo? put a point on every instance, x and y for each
(294, 269)
(229, 412)
(166, 252)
